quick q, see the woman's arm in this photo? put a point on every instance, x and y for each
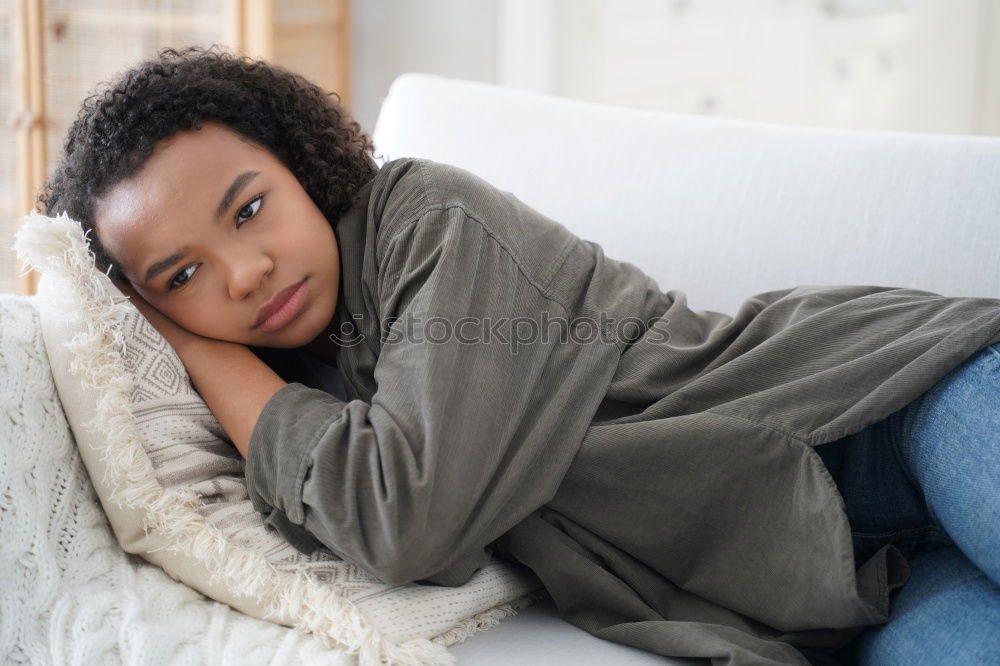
(232, 381)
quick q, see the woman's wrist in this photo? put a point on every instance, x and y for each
(193, 348)
(233, 382)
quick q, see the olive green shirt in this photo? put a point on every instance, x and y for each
(653, 465)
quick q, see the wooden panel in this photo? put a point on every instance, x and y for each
(255, 28)
(314, 39)
(29, 119)
(10, 214)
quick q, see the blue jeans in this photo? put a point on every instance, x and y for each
(927, 480)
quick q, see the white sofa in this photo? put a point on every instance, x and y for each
(720, 209)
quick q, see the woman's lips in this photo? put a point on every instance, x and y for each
(283, 307)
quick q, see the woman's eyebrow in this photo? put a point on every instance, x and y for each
(234, 189)
(163, 265)
(227, 200)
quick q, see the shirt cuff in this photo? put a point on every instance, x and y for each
(300, 538)
(289, 426)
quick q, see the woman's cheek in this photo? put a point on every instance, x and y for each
(191, 318)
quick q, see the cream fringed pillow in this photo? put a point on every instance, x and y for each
(172, 484)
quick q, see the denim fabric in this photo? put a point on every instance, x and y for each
(927, 480)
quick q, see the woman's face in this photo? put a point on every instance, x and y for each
(212, 228)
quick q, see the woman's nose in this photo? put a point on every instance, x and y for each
(246, 271)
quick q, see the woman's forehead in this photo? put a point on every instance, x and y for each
(130, 221)
(182, 181)
(183, 170)
(192, 156)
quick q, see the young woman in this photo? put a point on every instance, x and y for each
(421, 372)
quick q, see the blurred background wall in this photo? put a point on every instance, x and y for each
(900, 65)
(904, 65)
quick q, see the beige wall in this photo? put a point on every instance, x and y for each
(455, 38)
(905, 65)
(908, 65)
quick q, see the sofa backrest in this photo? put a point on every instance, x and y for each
(721, 208)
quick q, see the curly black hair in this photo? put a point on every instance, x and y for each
(120, 124)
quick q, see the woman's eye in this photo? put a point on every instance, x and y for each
(248, 211)
(174, 284)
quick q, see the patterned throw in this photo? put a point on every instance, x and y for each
(173, 487)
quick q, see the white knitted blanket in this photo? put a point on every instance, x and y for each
(70, 594)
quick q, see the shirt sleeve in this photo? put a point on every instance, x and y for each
(467, 432)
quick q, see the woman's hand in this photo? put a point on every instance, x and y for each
(232, 381)
(179, 338)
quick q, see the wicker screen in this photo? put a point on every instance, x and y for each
(89, 41)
